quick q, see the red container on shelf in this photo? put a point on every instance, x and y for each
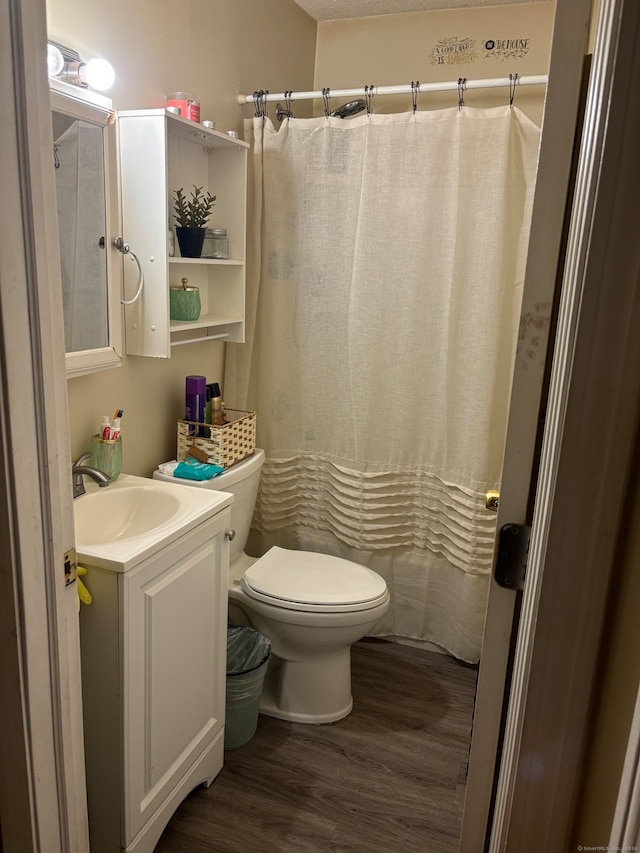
(188, 104)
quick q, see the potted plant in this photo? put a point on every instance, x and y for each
(192, 215)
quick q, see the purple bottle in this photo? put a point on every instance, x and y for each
(195, 401)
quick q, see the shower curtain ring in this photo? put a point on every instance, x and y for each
(265, 114)
(462, 85)
(415, 88)
(513, 82)
(368, 96)
(256, 103)
(325, 97)
(287, 102)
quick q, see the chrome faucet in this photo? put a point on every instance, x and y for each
(78, 469)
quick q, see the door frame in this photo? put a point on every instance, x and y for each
(590, 435)
(42, 782)
(41, 778)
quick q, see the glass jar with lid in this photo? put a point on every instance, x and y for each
(216, 244)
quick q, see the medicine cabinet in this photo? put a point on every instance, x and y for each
(161, 152)
(88, 211)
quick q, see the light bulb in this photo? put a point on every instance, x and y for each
(98, 73)
(55, 60)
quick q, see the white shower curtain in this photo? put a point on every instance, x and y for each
(386, 264)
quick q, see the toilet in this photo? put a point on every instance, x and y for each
(312, 607)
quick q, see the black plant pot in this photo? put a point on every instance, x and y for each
(190, 241)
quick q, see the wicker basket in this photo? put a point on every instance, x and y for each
(226, 444)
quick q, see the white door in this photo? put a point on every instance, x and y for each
(42, 790)
(561, 116)
(587, 446)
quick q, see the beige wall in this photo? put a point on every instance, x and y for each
(396, 49)
(217, 49)
(617, 683)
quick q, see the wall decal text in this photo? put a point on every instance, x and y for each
(501, 49)
(454, 51)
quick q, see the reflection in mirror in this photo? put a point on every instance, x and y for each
(84, 156)
(80, 170)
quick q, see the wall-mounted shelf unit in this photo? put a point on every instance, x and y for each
(159, 153)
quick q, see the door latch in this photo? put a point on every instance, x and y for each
(70, 566)
(513, 551)
(492, 500)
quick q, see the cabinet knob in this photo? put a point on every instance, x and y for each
(231, 535)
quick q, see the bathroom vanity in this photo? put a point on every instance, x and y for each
(153, 644)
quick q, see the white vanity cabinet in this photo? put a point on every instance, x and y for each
(161, 152)
(153, 646)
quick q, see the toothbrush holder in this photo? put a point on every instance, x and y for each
(107, 455)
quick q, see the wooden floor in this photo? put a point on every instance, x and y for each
(389, 778)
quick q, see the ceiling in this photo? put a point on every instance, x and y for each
(329, 10)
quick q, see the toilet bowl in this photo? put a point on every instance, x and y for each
(312, 607)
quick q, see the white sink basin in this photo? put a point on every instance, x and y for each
(110, 514)
(124, 523)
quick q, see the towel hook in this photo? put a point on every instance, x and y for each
(126, 249)
(462, 85)
(513, 82)
(325, 97)
(368, 96)
(415, 88)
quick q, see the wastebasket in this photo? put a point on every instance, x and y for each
(247, 659)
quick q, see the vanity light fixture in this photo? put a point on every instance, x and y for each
(65, 64)
(55, 60)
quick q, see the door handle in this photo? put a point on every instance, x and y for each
(493, 500)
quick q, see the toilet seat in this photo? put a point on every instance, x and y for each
(305, 580)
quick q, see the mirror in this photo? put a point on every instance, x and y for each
(84, 149)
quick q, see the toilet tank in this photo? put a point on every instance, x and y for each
(242, 481)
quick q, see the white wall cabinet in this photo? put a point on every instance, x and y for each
(154, 675)
(159, 153)
(88, 222)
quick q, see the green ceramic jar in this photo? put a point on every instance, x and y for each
(184, 302)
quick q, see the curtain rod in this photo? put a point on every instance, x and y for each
(406, 89)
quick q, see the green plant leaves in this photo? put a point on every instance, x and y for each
(195, 211)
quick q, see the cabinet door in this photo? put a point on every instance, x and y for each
(175, 617)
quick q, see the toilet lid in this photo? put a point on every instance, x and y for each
(307, 578)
